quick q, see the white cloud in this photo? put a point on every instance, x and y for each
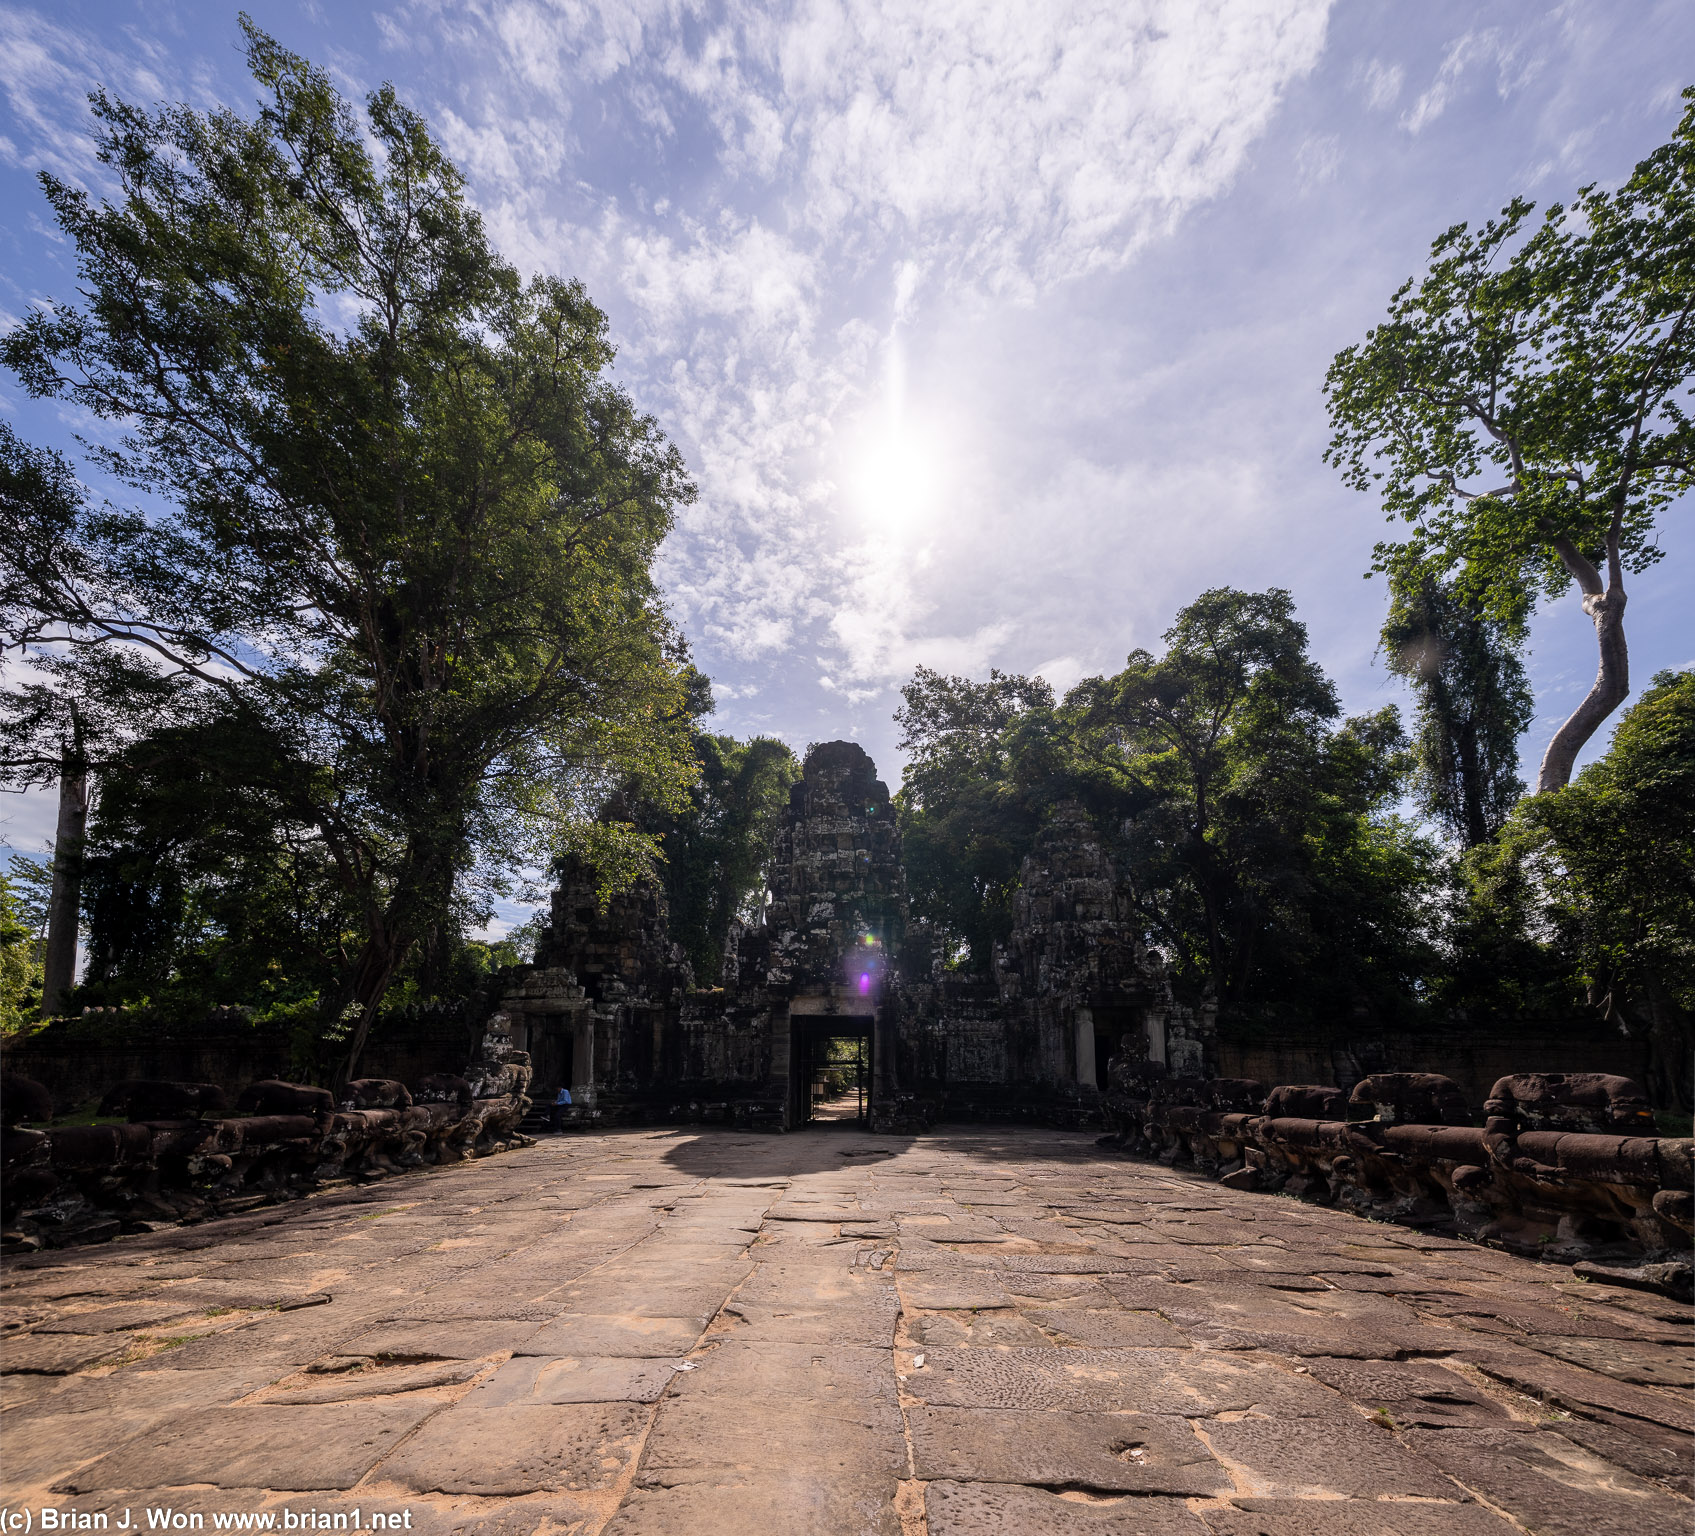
(1061, 673)
(46, 73)
(1014, 145)
(28, 820)
(867, 163)
(1317, 158)
(1517, 59)
(1379, 83)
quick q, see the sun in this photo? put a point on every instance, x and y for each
(896, 481)
(894, 470)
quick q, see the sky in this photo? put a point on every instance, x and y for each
(991, 334)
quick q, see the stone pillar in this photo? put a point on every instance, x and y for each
(782, 1044)
(1154, 1023)
(64, 903)
(582, 1060)
(883, 1077)
(1084, 1027)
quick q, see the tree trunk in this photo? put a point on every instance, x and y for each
(1471, 786)
(419, 901)
(1610, 689)
(372, 973)
(64, 904)
(1655, 1015)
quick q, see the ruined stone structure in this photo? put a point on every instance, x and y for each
(609, 1009)
(1077, 1027)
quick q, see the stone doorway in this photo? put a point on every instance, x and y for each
(831, 1071)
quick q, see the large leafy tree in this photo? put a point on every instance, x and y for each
(718, 844)
(207, 880)
(1601, 876)
(965, 808)
(1524, 408)
(397, 512)
(1260, 844)
(1253, 832)
(1474, 703)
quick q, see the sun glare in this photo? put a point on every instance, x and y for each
(897, 482)
(894, 472)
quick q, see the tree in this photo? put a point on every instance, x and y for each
(44, 732)
(24, 887)
(1253, 834)
(1525, 407)
(717, 846)
(1235, 667)
(964, 808)
(400, 516)
(208, 881)
(1603, 872)
(1474, 703)
(1259, 845)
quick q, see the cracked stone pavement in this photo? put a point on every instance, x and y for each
(973, 1331)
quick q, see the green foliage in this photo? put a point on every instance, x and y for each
(717, 845)
(23, 927)
(403, 519)
(1254, 834)
(1474, 702)
(1524, 407)
(206, 881)
(1595, 883)
(1533, 387)
(1263, 854)
(966, 809)
(207, 884)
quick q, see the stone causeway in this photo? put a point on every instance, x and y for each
(958, 1331)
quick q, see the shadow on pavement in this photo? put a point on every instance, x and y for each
(743, 1154)
(713, 1153)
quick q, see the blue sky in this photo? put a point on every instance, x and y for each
(992, 334)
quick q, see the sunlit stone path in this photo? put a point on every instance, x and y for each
(969, 1332)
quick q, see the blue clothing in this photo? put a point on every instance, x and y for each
(564, 1096)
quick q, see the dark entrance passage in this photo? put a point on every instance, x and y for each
(830, 1071)
(550, 1040)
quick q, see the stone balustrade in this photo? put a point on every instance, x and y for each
(1564, 1166)
(63, 1185)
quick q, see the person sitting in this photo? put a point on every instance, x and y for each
(561, 1103)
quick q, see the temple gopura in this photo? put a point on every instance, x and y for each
(611, 1009)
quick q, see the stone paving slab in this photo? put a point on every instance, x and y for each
(681, 1333)
(1105, 1452)
(297, 1448)
(803, 1505)
(590, 1379)
(516, 1448)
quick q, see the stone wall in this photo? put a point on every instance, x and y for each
(1475, 1056)
(78, 1059)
